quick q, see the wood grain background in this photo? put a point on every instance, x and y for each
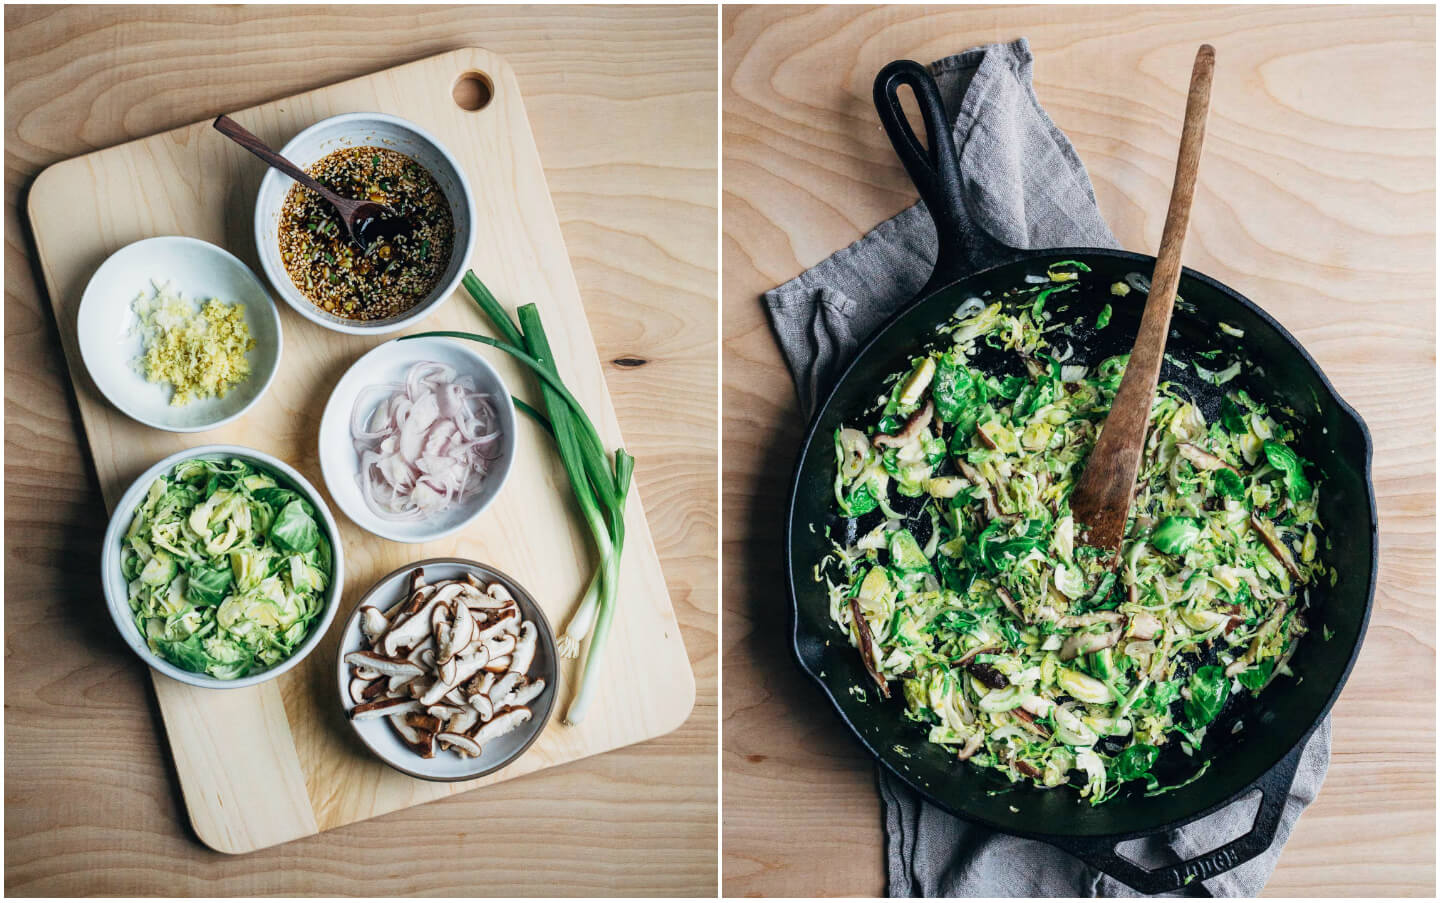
(1316, 198)
(622, 105)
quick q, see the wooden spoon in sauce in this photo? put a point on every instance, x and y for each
(367, 222)
(1102, 496)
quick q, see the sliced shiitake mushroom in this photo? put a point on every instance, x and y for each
(421, 743)
(461, 743)
(523, 694)
(384, 664)
(510, 623)
(524, 652)
(447, 664)
(503, 686)
(373, 623)
(383, 707)
(502, 724)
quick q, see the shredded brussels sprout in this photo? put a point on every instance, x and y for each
(1016, 645)
(227, 568)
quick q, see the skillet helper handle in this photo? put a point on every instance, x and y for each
(935, 169)
(1274, 786)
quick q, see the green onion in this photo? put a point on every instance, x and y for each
(600, 491)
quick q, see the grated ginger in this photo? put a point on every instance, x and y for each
(199, 353)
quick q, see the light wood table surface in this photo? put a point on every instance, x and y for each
(1316, 198)
(622, 104)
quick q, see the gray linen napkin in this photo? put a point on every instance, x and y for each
(1025, 188)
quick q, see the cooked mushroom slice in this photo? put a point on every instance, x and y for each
(524, 652)
(867, 647)
(912, 428)
(1078, 644)
(502, 724)
(523, 694)
(1276, 546)
(383, 664)
(421, 743)
(372, 622)
(1144, 626)
(1010, 604)
(1025, 768)
(503, 687)
(988, 675)
(498, 665)
(383, 707)
(972, 746)
(1027, 721)
(1047, 613)
(458, 635)
(1198, 456)
(968, 657)
(461, 743)
(992, 505)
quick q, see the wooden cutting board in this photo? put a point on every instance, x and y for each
(267, 764)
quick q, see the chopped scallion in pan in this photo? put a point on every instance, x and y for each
(960, 577)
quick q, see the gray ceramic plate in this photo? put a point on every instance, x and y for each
(380, 737)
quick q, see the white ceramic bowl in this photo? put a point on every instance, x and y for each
(388, 363)
(117, 595)
(358, 130)
(110, 343)
(380, 737)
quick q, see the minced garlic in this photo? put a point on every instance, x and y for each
(199, 353)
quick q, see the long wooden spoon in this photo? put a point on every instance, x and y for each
(1101, 500)
(367, 222)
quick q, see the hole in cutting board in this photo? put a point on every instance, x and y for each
(473, 91)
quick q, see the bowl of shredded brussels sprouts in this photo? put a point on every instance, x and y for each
(956, 572)
(222, 567)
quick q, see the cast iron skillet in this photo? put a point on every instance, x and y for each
(1264, 755)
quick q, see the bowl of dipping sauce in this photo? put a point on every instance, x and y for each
(399, 280)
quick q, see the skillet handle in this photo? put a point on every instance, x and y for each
(934, 170)
(1274, 786)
